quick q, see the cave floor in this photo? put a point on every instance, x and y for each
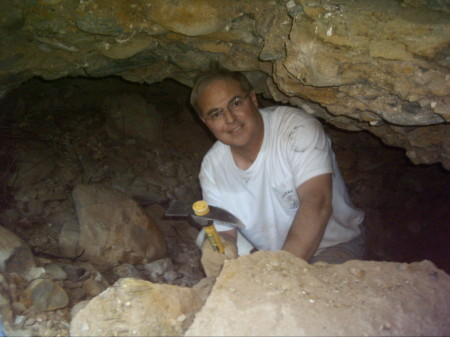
(407, 213)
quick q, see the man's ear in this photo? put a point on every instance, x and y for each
(254, 98)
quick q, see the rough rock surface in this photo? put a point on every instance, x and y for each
(380, 66)
(15, 255)
(277, 294)
(46, 295)
(134, 307)
(131, 115)
(114, 229)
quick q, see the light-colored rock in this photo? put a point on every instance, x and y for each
(46, 295)
(136, 307)
(77, 307)
(128, 48)
(114, 229)
(92, 287)
(35, 273)
(68, 238)
(170, 275)
(55, 271)
(191, 17)
(277, 294)
(159, 267)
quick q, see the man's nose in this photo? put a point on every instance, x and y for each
(229, 116)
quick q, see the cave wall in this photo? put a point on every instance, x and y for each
(381, 66)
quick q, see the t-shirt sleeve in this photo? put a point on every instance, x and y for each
(308, 149)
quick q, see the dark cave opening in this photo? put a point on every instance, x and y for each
(406, 205)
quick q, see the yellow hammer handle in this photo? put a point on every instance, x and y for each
(214, 238)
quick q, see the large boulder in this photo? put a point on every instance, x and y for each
(15, 255)
(114, 229)
(278, 294)
(134, 307)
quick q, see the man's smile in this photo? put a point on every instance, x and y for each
(236, 128)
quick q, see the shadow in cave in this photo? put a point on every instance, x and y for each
(407, 213)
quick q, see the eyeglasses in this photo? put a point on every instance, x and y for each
(235, 106)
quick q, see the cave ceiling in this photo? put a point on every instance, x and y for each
(380, 66)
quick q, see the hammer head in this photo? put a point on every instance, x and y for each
(179, 208)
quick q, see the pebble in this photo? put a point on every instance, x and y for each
(56, 271)
(13, 291)
(35, 273)
(47, 295)
(159, 267)
(30, 321)
(93, 287)
(19, 320)
(170, 275)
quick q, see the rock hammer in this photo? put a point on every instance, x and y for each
(204, 215)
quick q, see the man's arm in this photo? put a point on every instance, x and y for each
(308, 226)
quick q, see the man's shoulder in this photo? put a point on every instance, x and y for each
(216, 148)
(283, 112)
(285, 117)
(216, 152)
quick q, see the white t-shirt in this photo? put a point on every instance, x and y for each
(295, 148)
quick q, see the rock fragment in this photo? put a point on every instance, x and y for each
(114, 229)
(137, 307)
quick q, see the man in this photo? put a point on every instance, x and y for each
(275, 170)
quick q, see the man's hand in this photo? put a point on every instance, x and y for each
(212, 261)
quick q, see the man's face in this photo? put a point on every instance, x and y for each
(242, 126)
